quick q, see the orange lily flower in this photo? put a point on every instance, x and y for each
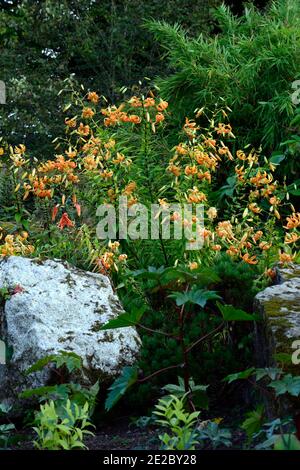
(249, 259)
(65, 222)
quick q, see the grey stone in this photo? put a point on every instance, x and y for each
(279, 306)
(58, 307)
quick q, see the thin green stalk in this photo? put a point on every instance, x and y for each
(145, 152)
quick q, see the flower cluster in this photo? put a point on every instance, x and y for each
(259, 200)
(110, 259)
(15, 244)
(256, 224)
(135, 111)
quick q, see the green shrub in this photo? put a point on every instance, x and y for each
(181, 424)
(249, 64)
(55, 432)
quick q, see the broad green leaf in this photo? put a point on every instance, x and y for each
(40, 364)
(163, 276)
(150, 273)
(176, 274)
(6, 428)
(93, 390)
(283, 357)
(120, 386)
(288, 384)
(254, 421)
(5, 408)
(125, 319)
(69, 359)
(276, 158)
(287, 442)
(245, 374)
(194, 296)
(270, 372)
(230, 313)
(199, 392)
(65, 358)
(295, 192)
(296, 120)
(61, 390)
(201, 276)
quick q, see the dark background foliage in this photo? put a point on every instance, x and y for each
(248, 65)
(102, 44)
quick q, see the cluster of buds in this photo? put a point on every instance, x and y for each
(110, 259)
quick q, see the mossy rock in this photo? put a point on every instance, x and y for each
(279, 306)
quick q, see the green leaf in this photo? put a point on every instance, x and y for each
(270, 372)
(230, 313)
(199, 392)
(239, 375)
(25, 224)
(288, 384)
(283, 357)
(287, 442)
(277, 158)
(150, 273)
(254, 421)
(4, 428)
(4, 408)
(94, 389)
(295, 192)
(163, 276)
(69, 359)
(125, 319)
(120, 386)
(40, 364)
(61, 390)
(194, 296)
(295, 120)
(201, 276)
(65, 358)
(206, 276)
(176, 274)
(18, 217)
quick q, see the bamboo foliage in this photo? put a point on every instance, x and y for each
(250, 63)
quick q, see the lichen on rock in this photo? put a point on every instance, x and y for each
(279, 306)
(59, 307)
